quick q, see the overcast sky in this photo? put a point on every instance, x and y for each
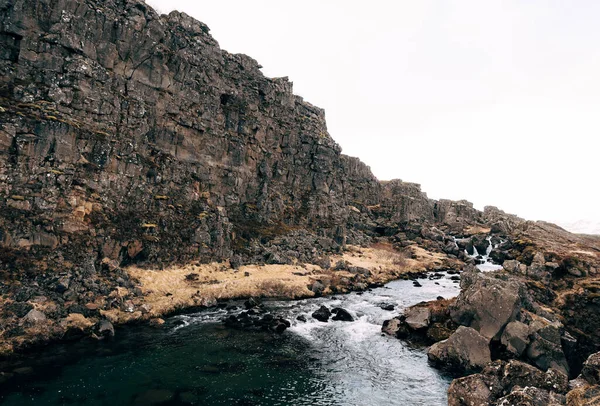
(496, 102)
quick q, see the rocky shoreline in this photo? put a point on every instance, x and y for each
(508, 335)
(147, 296)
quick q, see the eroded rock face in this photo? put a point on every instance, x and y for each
(140, 128)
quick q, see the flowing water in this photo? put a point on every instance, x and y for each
(195, 359)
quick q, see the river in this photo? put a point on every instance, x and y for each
(195, 359)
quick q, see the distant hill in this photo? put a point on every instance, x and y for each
(582, 227)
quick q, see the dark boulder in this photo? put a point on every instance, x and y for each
(322, 314)
(341, 315)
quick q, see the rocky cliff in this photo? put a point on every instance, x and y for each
(129, 136)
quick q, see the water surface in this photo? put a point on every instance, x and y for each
(194, 359)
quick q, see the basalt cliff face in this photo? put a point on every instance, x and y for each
(129, 138)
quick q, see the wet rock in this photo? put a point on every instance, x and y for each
(387, 306)
(341, 314)
(301, 318)
(465, 350)
(251, 303)
(105, 329)
(322, 314)
(391, 326)
(279, 325)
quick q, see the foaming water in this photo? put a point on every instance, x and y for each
(194, 359)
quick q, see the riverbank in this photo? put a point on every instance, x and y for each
(148, 295)
(194, 358)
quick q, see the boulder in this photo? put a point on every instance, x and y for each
(488, 304)
(341, 315)
(417, 318)
(591, 369)
(520, 374)
(391, 327)
(502, 383)
(471, 390)
(515, 337)
(545, 349)
(588, 395)
(465, 350)
(514, 266)
(322, 314)
(104, 328)
(438, 332)
(531, 396)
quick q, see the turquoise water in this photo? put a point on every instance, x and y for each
(194, 360)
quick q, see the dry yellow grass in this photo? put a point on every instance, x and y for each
(181, 287)
(472, 230)
(170, 289)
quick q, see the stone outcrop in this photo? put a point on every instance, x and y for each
(515, 382)
(466, 350)
(488, 304)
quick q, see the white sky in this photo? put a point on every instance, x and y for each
(496, 102)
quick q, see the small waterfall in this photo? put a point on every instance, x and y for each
(487, 264)
(490, 247)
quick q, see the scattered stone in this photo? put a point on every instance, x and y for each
(322, 314)
(387, 306)
(341, 315)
